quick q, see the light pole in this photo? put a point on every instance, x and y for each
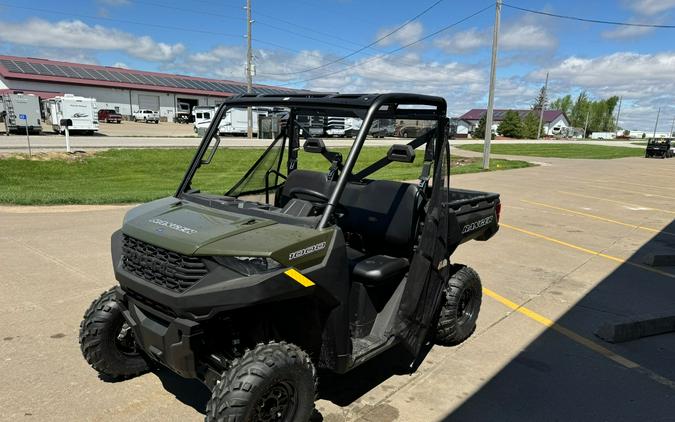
(491, 93)
(249, 69)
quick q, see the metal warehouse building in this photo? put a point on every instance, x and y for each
(124, 90)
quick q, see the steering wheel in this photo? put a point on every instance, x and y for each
(309, 192)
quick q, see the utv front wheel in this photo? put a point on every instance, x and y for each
(273, 382)
(107, 342)
(457, 320)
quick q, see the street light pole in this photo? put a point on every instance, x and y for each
(249, 69)
(658, 113)
(491, 93)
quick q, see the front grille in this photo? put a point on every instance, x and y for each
(165, 268)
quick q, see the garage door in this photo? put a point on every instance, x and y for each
(150, 102)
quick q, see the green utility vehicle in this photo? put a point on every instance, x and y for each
(252, 287)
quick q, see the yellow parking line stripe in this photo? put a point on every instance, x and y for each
(616, 202)
(589, 251)
(647, 194)
(295, 275)
(597, 217)
(579, 339)
(621, 182)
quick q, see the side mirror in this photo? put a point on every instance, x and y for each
(66, 122)
(314, 145)
(401, 153)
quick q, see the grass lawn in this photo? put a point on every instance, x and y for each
(560, 150)
(133, 175)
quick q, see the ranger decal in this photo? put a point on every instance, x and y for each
(477, 224)
(173, 226)
(306, 251)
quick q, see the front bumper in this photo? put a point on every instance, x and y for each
(171, 341)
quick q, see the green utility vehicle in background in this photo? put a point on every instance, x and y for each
(255, 286)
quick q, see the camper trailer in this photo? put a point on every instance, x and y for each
(201, 117)
(235, 121)
(80, 110)
(16, 106)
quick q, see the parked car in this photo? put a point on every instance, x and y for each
(146, 116)
(109, 115)
(410, 131)
(662, 148)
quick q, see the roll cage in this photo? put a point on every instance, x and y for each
(368, 107)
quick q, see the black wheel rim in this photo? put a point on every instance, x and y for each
(125, 342)
(278, 403)
(466, 306)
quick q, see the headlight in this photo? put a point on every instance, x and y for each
(249, 265)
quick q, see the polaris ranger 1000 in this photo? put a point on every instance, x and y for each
(251, 278)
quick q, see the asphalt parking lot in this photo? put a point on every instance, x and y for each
(569, 257)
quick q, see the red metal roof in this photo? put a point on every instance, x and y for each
(9, 74)
(498, 115)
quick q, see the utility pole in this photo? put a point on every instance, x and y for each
(543, 106)
(249, 68)
(672, 126)
(491, 93)
(588, 114)
(658, 113)
(618, 113)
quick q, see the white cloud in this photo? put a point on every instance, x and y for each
(645, 81)
(463, 42)
(76, 34)
(406, 35)
(520, 35)
(650, 7)
(527, 37)
(121, 65)
(624, 32)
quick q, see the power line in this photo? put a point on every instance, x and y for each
(220, 15)
(287, 22)
(600, 21)
(223, 16)
(353, 53)
(396, 50)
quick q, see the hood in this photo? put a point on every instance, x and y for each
(185, 227)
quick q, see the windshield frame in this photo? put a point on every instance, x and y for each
(372, 107)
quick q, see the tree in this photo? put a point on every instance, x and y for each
(530, 126)
(540, 100)
(563, 104)
(479, 131)
(579, 110)
(511, 125)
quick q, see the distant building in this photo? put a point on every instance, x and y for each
(124, 90)
(555, 121)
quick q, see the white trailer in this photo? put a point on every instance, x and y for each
(235, 121)
(202, 117)
(603, 135)
(15, 106)
(80, 110)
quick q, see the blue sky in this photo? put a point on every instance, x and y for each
(205, 38)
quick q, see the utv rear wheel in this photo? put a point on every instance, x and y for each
(107, 342)
(457, 320)
(273, 382)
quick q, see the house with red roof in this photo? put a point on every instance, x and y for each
(554, 121)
